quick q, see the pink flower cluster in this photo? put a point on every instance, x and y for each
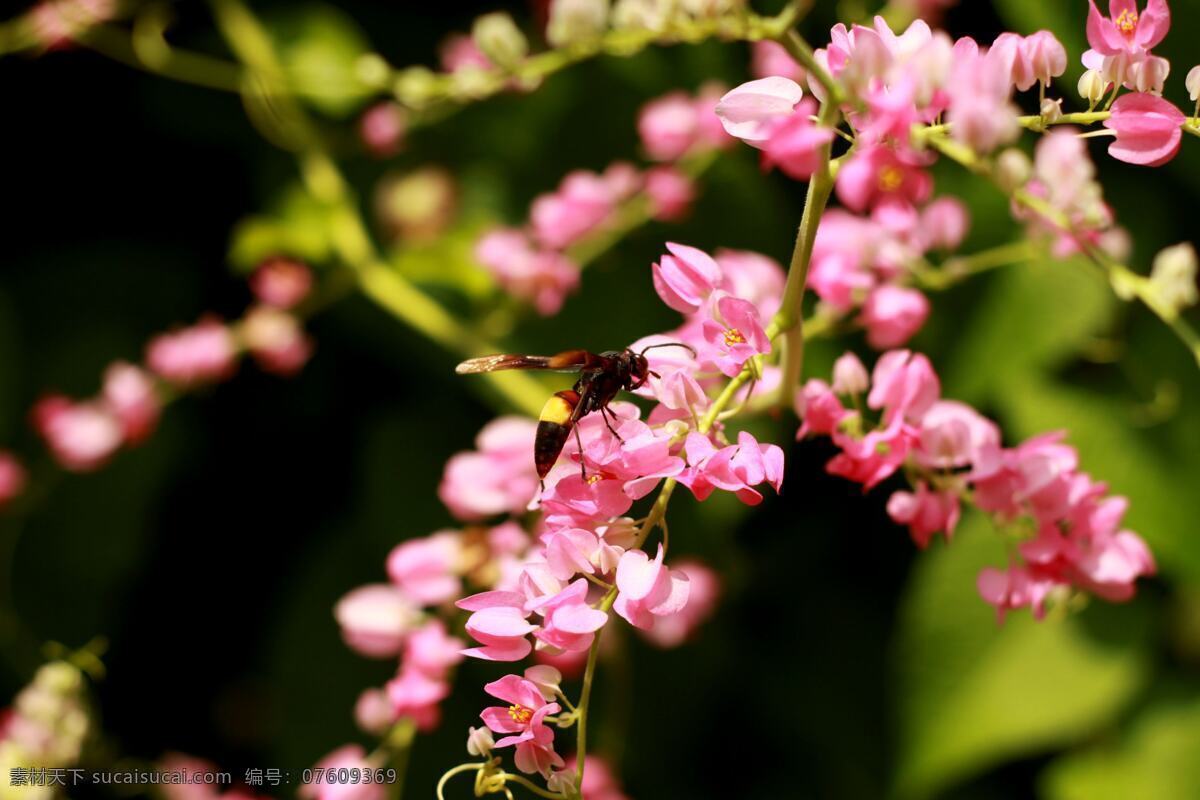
(866, 262)
(84, 435)
(534, 263)
(1065, 526)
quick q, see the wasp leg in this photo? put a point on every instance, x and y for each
(579, 441)
(604, 412)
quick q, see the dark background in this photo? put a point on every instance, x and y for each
(210, 557)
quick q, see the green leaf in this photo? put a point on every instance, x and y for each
(320, 47)
(1034, 317)
(973, 694)
(1155, 760)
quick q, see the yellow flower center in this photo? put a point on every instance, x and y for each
(593, 479)
(520, 714)
(890, 179)
(1126, 21)
(734, 336)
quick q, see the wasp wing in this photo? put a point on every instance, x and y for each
(566, 361)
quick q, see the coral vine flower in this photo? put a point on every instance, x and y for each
(685, 278)
(925, 512)
(523, 719)
(375, 619)
(204, 352)
(497, 477)
(735, 336)
(877, 173)
(1149, 129)
(648, 589)
(736, 468)
(12, 478)
(1126, 31)
(704, 589)
(794, 142)
(568, 622)
(892, 314)
(500, 623)
(425, 568)
(750, 111)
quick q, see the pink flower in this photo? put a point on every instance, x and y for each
(704, 588)
(498, 477)
(670, 193)
(648, 589)
(750, 111)
(599, 783)
(839, 280)
(685, 278)
(735, 336)
(1148, 128)
(876, 173)
(904, 385)
(981, 113)
(794, 143)
(771, 58)
(415, 695)
(499, 622)
(373, 711)
(523, 721)
(568, 622)
(276, 340)
(537, 276)
(349, 757)
(375, 619)
(571, 501)
(892, 314)
(1111, 568)
(459, 52)
(736, 468)
(668, 126)
(943, 224)
(873, 458)
(822, 411)
(382, 128)
(204, 352)
(1017, 588)
(81, 436)
(130, 394)
(925, 513)
(424, 568)
(583, 201)
(953, 435)
(12, 478)
(1046, 56)
(1127, 31)
(754, 277)
(849, 375)
(431, 650)
(281, 282)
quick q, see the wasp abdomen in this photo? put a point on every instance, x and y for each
(554, 426)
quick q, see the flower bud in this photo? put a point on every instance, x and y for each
(641, 15)
(418, 206)
(1173, 277)
(1193, 84)
(1047, 56)
(1150, 74)
(1013, 169)
(373, 711)
(382, 128)
(12, 478)
(1092, 86)
(576, 21)
(480, 742)
(499, 38)
(1051, 110)
(849, 375)
(415, 86)
(546, 678)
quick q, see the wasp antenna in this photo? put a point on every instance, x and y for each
(687, 347)
(655, 374)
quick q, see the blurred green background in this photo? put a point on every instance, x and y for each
(842, 663)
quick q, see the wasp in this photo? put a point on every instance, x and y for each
(601, 377)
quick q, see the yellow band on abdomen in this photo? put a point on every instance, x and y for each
(556, 410)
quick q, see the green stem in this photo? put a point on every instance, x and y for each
(789, 319)
(152, 54)
(351, 240)
(1125, 281)
(802, 52)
